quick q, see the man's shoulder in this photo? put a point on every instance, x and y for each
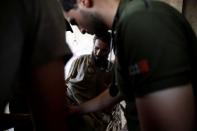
(82, 58)
(128, 10)
(138, 11)
(132, 7)
(137, 7)
(85, 56)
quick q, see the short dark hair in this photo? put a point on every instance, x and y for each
(68, 4)
(105, 37)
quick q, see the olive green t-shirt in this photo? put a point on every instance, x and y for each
(151, 47)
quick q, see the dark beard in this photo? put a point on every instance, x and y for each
(99, 27)
(101, 62)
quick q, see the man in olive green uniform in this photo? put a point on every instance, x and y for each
(153, 68)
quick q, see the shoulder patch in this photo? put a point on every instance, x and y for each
(140, 67)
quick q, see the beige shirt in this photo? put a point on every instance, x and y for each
(85, 81)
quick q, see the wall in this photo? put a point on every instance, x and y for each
(190, 11)
(188, 8)
(175, 3)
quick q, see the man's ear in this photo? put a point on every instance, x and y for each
(87, 3)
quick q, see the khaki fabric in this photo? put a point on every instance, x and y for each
(85, 81)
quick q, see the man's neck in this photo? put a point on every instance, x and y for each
(107, 10)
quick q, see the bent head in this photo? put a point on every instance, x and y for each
(101, 48)
(81, 13)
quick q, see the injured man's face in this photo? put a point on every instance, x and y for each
(100, 53)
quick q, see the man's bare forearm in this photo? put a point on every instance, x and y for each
(102, 101)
